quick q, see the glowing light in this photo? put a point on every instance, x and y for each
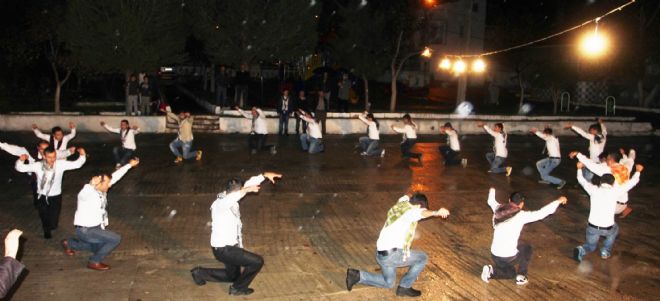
(430, 3)
(594, 44)
(459, 67)
(445, 64)
(478, 66)
(427, 52)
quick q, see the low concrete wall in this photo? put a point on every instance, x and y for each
(337, 123)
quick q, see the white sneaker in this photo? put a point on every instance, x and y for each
(117, 166)
(508, 170)
(363, 153)
(464, 162)
(486, 272)
(521, 280)
(382, 154)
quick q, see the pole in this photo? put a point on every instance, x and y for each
(461, 93)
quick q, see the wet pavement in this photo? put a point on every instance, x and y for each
(325, 215)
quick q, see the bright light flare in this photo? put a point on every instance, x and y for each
(459, 67)
(427, 52)
(445, 64)
(594, 44)
(478, 66)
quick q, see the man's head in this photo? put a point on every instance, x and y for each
(234, 184)
(547, 131)
(243, 67)
(321, 93)
(57, 133)
(42, 145)
(595, 129)
(407, 119)
(371, 117)
(285, 92)
(301, 94)
(104, 185)
(132, 78)
(222, 68)
(345, 76)
(448, 126)
(183, 115)
(612, 158)
(419, 199)
(50, 156)
(499, 127)
(255, 112)
(517, 198)
(607, 179)
(145, 79)
(124, 124)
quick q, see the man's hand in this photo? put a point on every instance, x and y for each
(82, 151)
(162, 110)
(271, 176)
(11, 243)
(533, 130)
(96, 180)
(72, 150)
(251, 189)
(34, 126)
(568, 126)
(134, 162)
(23, 157)
(135, 127)
(622, 151)
(480, 124)
(639, 167)
(562, 200)
(600, 120)
(573, 154)
(102, 123)
(580, 165)
(444, 213)
(237, 108)
(72, 125)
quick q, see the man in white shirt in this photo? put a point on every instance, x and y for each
(394, 247)
(597, 137)
(48, 196)
(370, 144)
(311, 141)
(452, 150)
(409, 138)
(603, 200)
(259, 132)
(227, 239)
(497, 158)
(57, 139)
(127, 133)
(38, 152)
(508, 222)
(547, 165)
(91, 219)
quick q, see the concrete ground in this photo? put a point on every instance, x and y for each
(324, 216)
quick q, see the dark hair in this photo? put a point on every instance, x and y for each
(547, 131)
(124, 120)
(607, 179)
(419, 199)
(614, 156)
(406, 117)
(602, 156)
(234, 185)
(49, 149)
(500, 125)
(517, 198)
(43, 142)
(598, 137)
(55, 129)
(595, 180)
(448, 125)
(370, 115)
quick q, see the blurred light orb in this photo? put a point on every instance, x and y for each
(594, 44)
(445, 64)
(464, 108)
(478, 66)
(427, 52)
(459, 67)
(526, 109)
(528, 171)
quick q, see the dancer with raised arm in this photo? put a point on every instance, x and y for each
(184, 139)
(597, 137)
(506, 251)
(91, 219)
(547, 165)
(409, 138)
(311, 141)
(48, 196)
(259, 130)
(498, 156)
(370, 144)
(127, 134)
(227, 240)
(56, 139)
(393, 248)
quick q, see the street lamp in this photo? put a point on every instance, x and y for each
(459, 67)
(478, 66)
(426, 53)
(594, 44)
(445, 64)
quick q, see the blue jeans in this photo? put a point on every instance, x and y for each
(284, 124)
(369, 146)
(188, 153)
(311, 144)
(495, 163)
(450, 155)
(96, 240)
(545, 167)
(588, 175)
(388, 264)
(122, 155)
(593, 235)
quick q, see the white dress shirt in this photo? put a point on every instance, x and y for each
(372, 127)
(51, 178)
(595, 149)
(603, 199)
(90, 211)
(551, 144)
(452, 140)
(407, 130)
(499, 142)
(17, 151)
(507, 233)
(226, 222)
(63, 145)
(313, 127)
(259, 123)
(394, 235)
(127, 138)
(600, 169)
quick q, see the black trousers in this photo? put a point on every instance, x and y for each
(234, 258)
(321, 116)
(450, 155)
(342, 105)
(505, 266)
(299, 121)
(406, 146)
(49, 212)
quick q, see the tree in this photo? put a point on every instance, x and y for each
(124, 36)
(245, 31)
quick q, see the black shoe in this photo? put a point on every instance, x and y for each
(240, 292)
(195, 276)
(407, 292)
(352, 277)
(419, 159)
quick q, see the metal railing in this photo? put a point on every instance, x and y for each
(610, 99)
(567, 96)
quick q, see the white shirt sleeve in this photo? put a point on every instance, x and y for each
(254, 181)
(492, 202)
(489, 131)
(532, 216)
(71, 135)
(22, 167)
(41, 135)
(69, 165)
(582, 133)
(119, 173)
(541, 135)
(363, 119)
(603, 129)
(398, 129)
(245, 114)
(591, 165)
(111, 129)
(588, 187)
(625, 187)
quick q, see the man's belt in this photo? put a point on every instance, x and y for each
(558, 158)
(387, 252)
(600, 228)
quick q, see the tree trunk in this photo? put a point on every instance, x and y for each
(394, 91)
(58, 87)
(395, 72)
(205, 77)
(127, 76)
(212, 80)
(522, 92)
(367, 105)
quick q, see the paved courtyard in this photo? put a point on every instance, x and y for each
(325, 215)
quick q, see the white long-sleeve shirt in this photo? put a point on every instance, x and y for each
(372, 127)
(127, 136)
(59, 145)
(407, 130)
(91, 211)
(507, 233)
(51, 178)
(313, 127)
(600, 169)
(603, 199)
(394, 235)
(452, 140)
(499, 142)
(551, 144)
(17, 151)
(258, 123)
(595, 149)
(226, 222)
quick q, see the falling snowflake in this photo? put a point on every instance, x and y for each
(363, 3)
(312, 2)
(248, 47)
(244, 22)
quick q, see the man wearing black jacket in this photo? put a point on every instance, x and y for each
(10, 268)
